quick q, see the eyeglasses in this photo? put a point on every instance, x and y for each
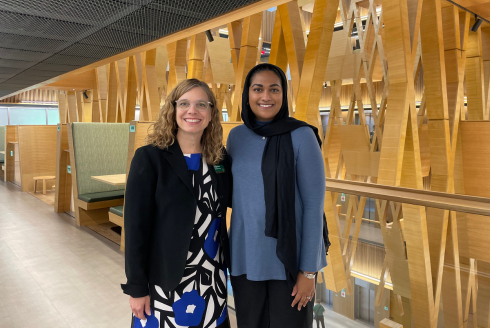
(199, 105)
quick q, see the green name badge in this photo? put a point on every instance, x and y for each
(219, 168)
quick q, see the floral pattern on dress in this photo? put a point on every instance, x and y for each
(200, 299)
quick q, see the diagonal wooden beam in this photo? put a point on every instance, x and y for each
(315, 62)
(382, 280)
(235, 37)
(294, 39)
(355, 236)
(278, 55)
(248, 56)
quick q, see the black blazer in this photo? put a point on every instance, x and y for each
(159, 212)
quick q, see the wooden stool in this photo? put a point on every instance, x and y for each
(44, 178)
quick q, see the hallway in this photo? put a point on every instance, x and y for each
(54, 274)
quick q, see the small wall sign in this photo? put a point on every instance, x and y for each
(342, 197)
(132, 128)
(68, 169)
(342, 293)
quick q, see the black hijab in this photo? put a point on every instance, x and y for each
(278, 173)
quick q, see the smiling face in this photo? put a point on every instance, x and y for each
(265, 95)
(195, 118)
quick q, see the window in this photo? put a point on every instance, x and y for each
(53, 116)
(4, 116)
(27, 116)
(20, 115)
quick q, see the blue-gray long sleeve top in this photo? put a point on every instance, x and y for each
(252, 253)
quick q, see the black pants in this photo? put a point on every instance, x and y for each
(319, 319)
(267, 304)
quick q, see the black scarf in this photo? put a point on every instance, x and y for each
(278, 173)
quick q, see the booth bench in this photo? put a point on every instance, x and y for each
(96, 149)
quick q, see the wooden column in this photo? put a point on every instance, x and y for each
(63, 178)
(196, 56)
(112, 102)
(62, 107)
(474, 75)
(235, 37)
(278, 55)
(71, 100)
(95, 106)
(315, 62)
(161, 69)
(78, 97)
(445, 269)
(485, 33)
(294, 40)
(101, 81)
(400, 154)
(121, 67)
(130, 91)
(248, 56)
(176, 57)
(149, 97)
(87, 104)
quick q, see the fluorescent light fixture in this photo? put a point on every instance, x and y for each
(39, 102)
(370, 278)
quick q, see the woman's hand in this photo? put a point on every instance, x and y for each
(304, 288)
(139, 306)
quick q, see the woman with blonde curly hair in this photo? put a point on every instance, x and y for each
(175, 216)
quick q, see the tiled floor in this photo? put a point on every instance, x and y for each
(55, 274)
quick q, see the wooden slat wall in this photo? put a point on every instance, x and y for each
(37, 150)
(37, 95)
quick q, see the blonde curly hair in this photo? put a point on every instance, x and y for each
(164, 130)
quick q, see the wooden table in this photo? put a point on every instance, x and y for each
(115, 179)
(44, 178)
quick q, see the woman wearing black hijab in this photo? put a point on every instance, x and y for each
(277, 227)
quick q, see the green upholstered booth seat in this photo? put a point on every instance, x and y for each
(118, 210)
(99, 149)
(101, 196)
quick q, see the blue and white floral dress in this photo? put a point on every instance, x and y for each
(200, 299)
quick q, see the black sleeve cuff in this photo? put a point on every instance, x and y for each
(135, 290)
